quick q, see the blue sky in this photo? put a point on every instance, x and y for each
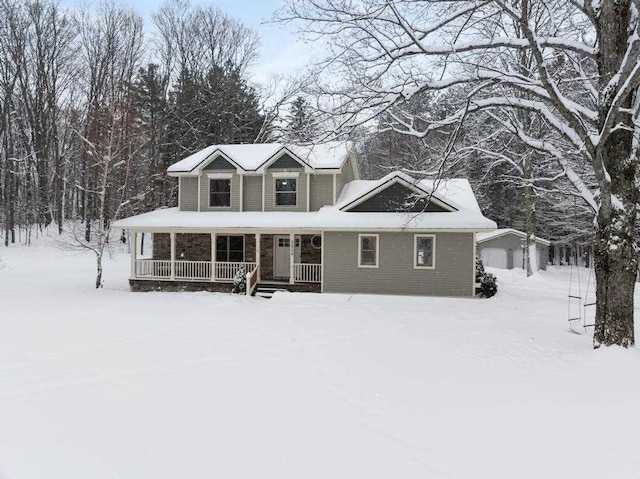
(281, 52)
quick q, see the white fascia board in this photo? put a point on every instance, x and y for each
(263, 167)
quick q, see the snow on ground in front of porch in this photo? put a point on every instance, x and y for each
(108, 383)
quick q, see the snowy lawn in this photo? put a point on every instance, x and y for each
(108, 383)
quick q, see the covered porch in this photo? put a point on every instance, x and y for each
(215, 257)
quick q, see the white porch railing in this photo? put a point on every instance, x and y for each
(226, 271)
(193, 270)
(252, 281)
(152, 269)
(307, 273)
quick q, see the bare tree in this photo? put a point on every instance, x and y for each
(582, 82)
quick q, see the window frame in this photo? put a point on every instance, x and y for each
(285, 176)
(220, 177)
(368, 235)
(415, 251)
(228, 249)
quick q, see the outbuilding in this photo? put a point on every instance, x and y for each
(504, 248)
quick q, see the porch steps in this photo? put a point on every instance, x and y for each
(267, 292)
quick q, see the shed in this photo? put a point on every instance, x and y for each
(504, 248)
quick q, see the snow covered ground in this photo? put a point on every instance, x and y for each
(108, 383)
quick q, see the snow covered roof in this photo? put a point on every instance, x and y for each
(456, 192)
(328, 218)
(480, 237)
(250, 157)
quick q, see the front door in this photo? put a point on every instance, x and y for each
(282, 256)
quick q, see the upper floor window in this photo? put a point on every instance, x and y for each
(424, 251)
(286, 191)
(220, 192)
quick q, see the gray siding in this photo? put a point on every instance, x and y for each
(514, 242)
(252, 191)
(188, 186)
(452, 276)
(284, 162)
(345, 177)
(321, 193)
(269, 190)
(219, 164)
(235, 192)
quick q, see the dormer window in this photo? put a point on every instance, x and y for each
(219, 192)
(286, 193)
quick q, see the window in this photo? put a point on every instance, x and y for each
(286, 192)
(230, 248)
(425, 251)
(368, 251)
(220, 193)
(285, 243)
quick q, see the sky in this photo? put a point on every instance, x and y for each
(281, 52)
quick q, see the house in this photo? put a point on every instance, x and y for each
(504, 248)
(300, 218)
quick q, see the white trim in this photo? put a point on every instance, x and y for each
(334, 188)
(322, 263)
(180, 193)
(299, 229)
(241, 179)
(172, 236)
(216, 208)
(199, 192)
(415, 251)
(285, 174)
(133, 247)
(308, 190)
(275, 192)
(279, 154)
(396, 179)
(360, 265)
(264, 181)
(258, 240)
(213, 257)
(220, 176)
(473, 266)
(292, 257)
(214, 155)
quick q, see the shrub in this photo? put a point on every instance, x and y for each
(240, 281)
(488, 282)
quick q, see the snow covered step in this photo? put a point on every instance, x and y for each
(267, 292)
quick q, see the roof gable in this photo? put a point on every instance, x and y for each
(219, 163)
(395, 193)
(502, 232)
(397, 197)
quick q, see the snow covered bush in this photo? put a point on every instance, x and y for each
(488, 282)
(240, 281)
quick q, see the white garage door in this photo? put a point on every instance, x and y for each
(494, 257)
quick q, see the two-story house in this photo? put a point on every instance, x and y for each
(300, 218)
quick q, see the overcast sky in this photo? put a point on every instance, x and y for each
(280, 52)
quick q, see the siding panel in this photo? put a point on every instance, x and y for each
(345, 177)
(321, 193)
(252, 191)
(188, 186)
(452, 276)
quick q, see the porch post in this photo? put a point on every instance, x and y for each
(173, 255)
(133, 247)
(292, 256)
(213, 257)
(258, 236)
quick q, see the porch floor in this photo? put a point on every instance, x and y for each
(145, 285)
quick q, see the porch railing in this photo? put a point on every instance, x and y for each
(194, 270)
(252, 281)
(307, 273)
(226, 271)
(152, 269)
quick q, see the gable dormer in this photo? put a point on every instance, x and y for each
(397, 193)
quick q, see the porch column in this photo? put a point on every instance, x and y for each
(213, 256)
(258, 236)
(133, 247)
(173, 255)
(292, 256)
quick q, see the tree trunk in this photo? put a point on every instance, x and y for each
(99, 270)
(615, 260)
